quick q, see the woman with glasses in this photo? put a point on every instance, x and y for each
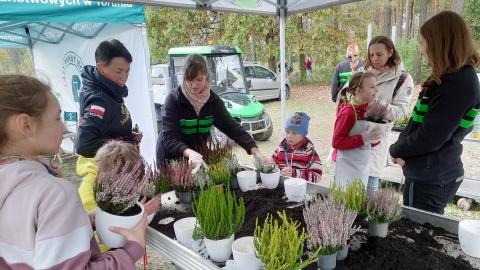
(429, 149)
(395, 88)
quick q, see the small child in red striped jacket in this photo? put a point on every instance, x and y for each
(295, 155)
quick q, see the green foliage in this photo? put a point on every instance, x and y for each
(161, 178)
(354, 195)
(472, 9)
(408, 50)
(219, 214)
(281, 246)
(219, 173)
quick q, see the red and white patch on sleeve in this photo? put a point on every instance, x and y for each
(96, 110)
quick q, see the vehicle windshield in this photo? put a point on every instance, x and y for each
(226, 74)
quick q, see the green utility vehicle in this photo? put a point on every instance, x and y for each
(227, 80)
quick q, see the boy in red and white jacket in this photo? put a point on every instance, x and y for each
(295, 155)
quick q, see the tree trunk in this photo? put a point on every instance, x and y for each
(457, 6)
(417, 63)
(409, 20)
(387, 27)
(15, 58)
(252, 48)
(271, 63)
(303, 73)
(399, 18)
(435, 6)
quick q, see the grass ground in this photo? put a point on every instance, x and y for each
(314, 99)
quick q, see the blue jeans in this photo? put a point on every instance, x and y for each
(372, 186)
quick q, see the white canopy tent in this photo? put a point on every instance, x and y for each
(62, 37)
(279, 8)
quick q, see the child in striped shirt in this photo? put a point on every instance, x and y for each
(295, 155)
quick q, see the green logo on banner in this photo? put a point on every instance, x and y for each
(72, 67)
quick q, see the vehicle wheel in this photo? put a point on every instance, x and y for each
(219, 138)
(287, 93)
(267, 134)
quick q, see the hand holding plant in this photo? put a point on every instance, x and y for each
(262, 166)
(377, 111)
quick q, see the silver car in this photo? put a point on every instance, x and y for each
(265, 84)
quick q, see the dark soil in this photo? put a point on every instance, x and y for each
(408, 245)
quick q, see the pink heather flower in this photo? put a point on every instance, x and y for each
(329, 223)
(119, 189)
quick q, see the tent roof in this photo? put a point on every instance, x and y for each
(23, 24)
(259, 7)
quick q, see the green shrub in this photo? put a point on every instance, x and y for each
(354, 195)
(281, 246)
(219, 214)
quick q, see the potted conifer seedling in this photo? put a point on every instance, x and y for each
(219, 216)
(280, 245)
(219, 174)
(383, 208)
(269, 173)
(354, 196)
(116, 193)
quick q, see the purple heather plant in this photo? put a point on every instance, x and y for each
(181, 175)
(385, 206)
(376, 111)
(330, 224)
(118, 189)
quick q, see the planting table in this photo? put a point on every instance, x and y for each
(187, 259)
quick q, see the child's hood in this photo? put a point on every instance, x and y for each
(18, 175)
(86, 166)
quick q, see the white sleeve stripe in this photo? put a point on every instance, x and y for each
(50, 252)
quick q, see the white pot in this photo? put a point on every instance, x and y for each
(219, 250)
(104, 220)
(469, 237)
(377, 229)
(244, 254)
(295, 189)
(247, 180)
(184, 231)
(270, 180)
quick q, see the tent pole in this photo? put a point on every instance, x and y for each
(282, 65)
(146, 51)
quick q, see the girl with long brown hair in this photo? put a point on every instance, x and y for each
(429, 149)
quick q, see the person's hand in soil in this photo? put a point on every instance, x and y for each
(152, 205)
(287, 171)
(255, 151)
(137, 234)
(91, 216)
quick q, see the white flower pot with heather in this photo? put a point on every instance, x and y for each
(104, 220)
(295, 189)
(270, 180)
(327, 262)
(219, 250)
(247, 180)
(243, 251)
(184, 231)
(377, 229)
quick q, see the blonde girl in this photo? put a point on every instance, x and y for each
(352, 137)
